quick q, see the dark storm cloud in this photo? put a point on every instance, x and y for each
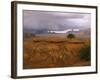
(55, 20)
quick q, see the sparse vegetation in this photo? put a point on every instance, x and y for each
(44, 51)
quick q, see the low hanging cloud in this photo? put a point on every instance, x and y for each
(55, 20)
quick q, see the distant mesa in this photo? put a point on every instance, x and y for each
(65, 31)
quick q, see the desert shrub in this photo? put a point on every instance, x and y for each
(28, 35)
(85, 53)
(70, 36)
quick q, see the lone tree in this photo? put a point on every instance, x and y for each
(70, 36)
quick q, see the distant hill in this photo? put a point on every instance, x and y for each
(86, 33)
(82, 33)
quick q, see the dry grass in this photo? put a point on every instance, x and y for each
(48, 52)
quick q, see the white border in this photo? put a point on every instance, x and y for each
(31, 72)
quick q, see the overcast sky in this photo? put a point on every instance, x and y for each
(55, 20)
